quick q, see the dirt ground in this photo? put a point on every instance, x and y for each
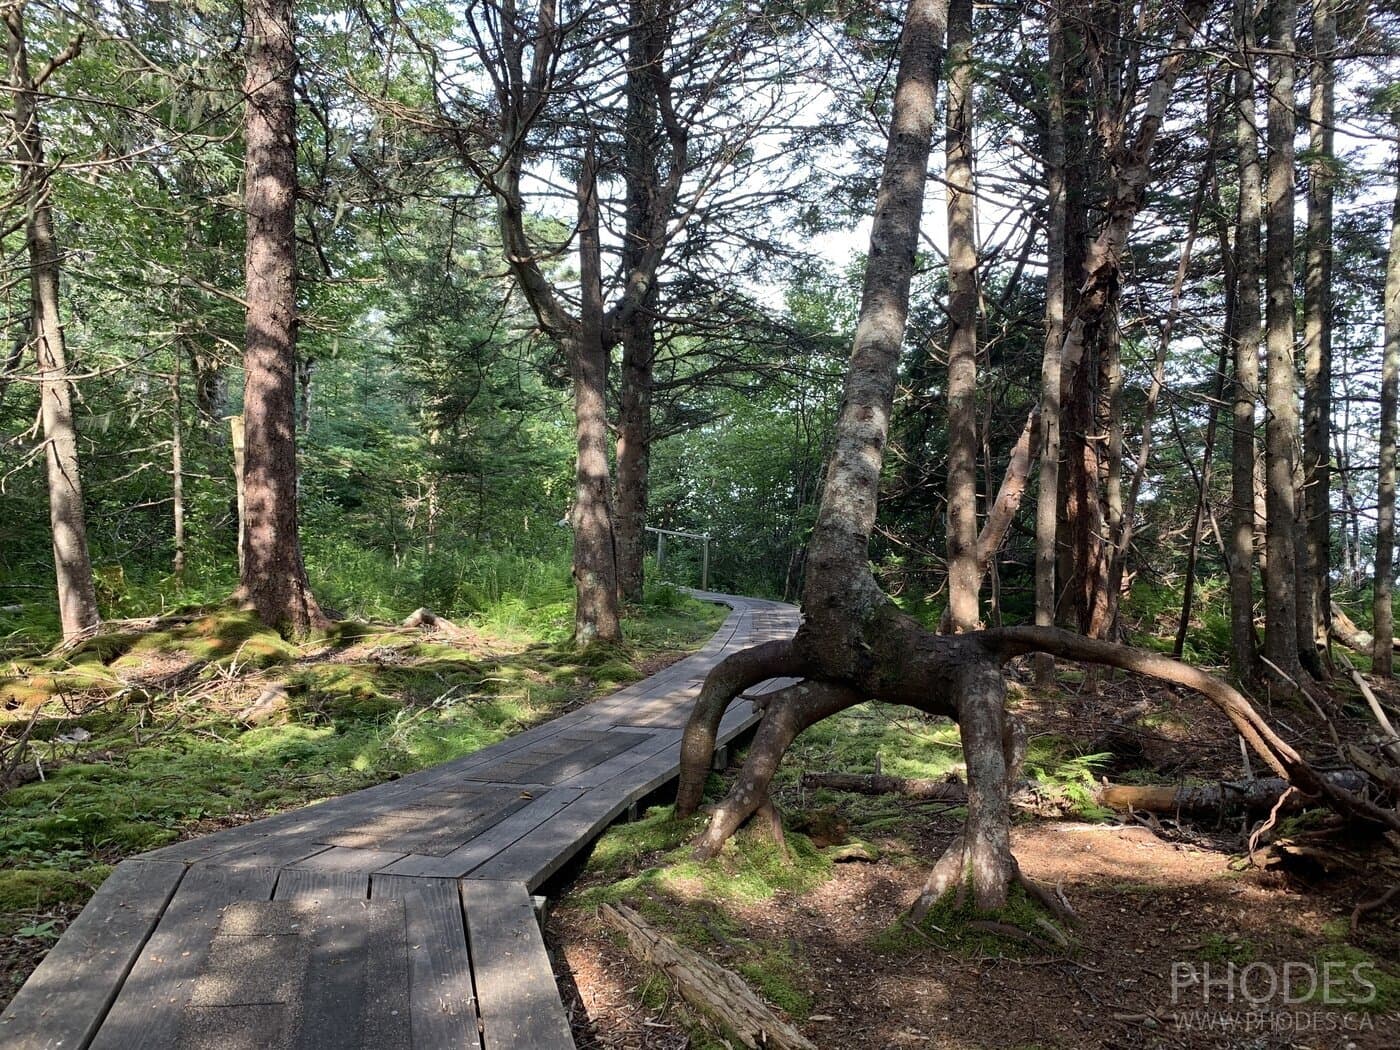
(1160, 910)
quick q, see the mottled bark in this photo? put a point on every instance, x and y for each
(1281, 392)
(273, 577)
(634, 453)
(964, 580)
(177, 473)
(77, 599)
(596, 616)
(1247, 336)
(1048, 499)
(1315, 534)
(646, 41)
(1384, 627)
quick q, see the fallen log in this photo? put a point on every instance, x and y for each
(716, 991)
(1344, 629)
(1219, 798)
(426, 618)
(271, 703)
(882, 784)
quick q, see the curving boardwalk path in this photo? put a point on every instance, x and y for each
(394, 918)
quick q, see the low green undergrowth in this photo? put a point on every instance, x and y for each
(140, 739)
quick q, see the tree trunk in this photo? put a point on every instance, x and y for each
(1048, 499)
(645, 46)
(854, 644)
(77, 599)
(1384, 627)
(1315, 540)
(177, 471)
(596, 617)
(1281, 425)
(634, 453)
(964, 581)
(273, 577)
(1247, 336)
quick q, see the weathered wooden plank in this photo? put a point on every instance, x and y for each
(441, 999)
(429, 829)
(490, 842)
(65, 999)
(345, 858)
(303, 884)
(519, 999)
(303, 974)
(148, 1011)
(548, 847)
(357, 990)
(618, 765)
(585, 757)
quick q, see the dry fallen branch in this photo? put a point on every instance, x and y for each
(718, 992)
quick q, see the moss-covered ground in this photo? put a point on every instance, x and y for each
(134, 739)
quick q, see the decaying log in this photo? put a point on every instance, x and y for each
(1223, 797)
(718, 992)
(1344, 629)
(271, 703)
(880, 784)
(426, 618)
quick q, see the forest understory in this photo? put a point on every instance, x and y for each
(825, 934)
(172, 727)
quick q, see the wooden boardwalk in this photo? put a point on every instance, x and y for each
(394, 918)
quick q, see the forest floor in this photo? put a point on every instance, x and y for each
(152, 732)
(823, 935)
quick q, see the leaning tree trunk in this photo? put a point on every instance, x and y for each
(273, 577)
(964, 580)
(1385, 484)
(77, 599)
(1281, 425)
(596, 616)
(854, 644)
(1315, 539)
(1248, 335)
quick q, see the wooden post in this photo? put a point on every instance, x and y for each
(235, 426)
(705, 564)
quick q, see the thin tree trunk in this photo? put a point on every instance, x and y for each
(596, 616)
(177, 470)
(634, 452)
(273, 576)
(1247, 336)
(1198, 520)
(1315, 542)
(1281, 426)
(1384, 627)
(964, 581)
(77, 599)
(1048, 499)
(1123, 536)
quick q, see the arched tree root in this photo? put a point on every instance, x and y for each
(959, 676)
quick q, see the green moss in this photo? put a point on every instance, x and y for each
(1355, 979)
(1227, 948)
(778, 975)
(949, 925)
(33, 889)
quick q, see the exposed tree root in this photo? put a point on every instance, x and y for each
(896, 660)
